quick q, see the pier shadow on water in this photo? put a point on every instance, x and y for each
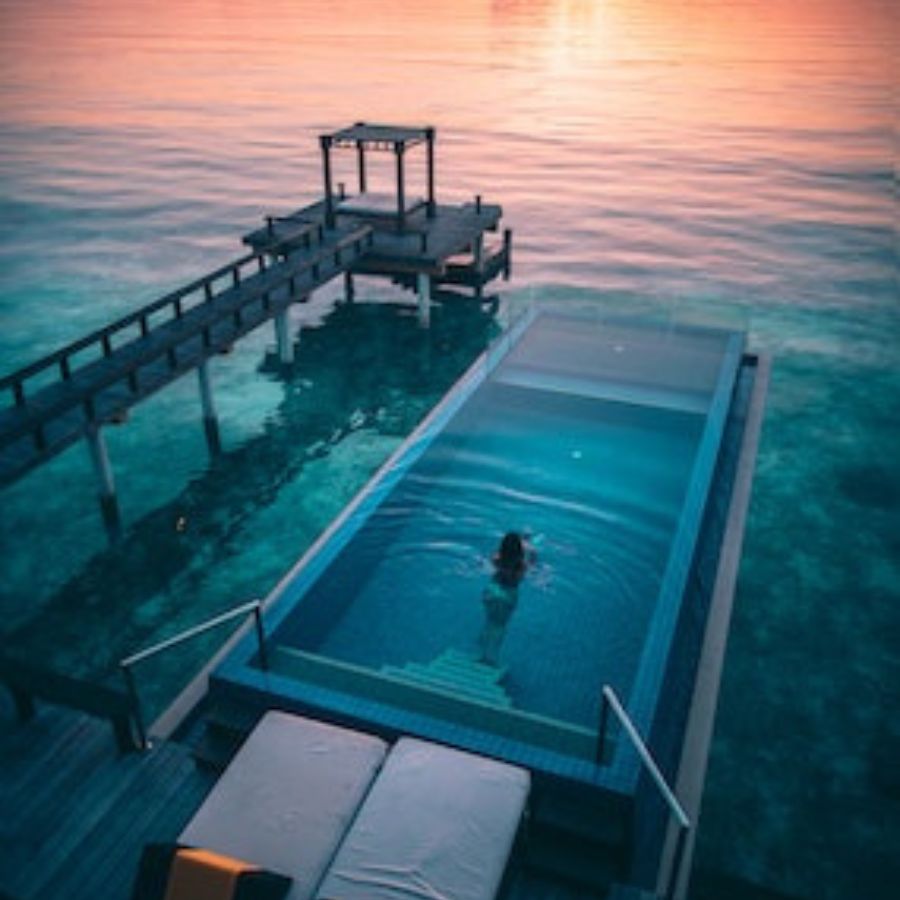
(361, 381)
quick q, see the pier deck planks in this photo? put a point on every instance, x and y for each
(451, 231)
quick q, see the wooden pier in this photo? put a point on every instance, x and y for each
(74, 392)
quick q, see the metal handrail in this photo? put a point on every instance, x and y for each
(611, 701)
(254, 608)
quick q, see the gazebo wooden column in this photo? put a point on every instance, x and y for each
(399, 147)
(325, 143)
(429, 137)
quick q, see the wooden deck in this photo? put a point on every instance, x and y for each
(75, 814)
(425, 245)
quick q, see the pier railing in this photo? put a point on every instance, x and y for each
(253, 608)
(192, 312)
(173, 305)
(611, 702)
(176, 302)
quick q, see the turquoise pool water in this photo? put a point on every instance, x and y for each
(726, 161)
(599, 483)
(597, 438)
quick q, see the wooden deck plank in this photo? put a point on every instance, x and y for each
(449, 232)
(154, 806)
(75, 813)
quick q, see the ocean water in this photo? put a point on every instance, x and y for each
(719, 160)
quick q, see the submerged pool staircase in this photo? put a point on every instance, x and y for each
(459, 673)
(451, 689)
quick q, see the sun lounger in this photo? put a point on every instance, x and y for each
(323, 806)
(288, 797)
(437, 824)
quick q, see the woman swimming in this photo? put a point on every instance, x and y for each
(502, 593)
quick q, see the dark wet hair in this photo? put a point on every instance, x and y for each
(511, 554)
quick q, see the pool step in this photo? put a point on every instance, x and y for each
(458, 674)
(319, 673)
(459, 660)
(417, 674)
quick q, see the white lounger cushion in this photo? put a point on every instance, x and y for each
(437, 824)
(287, 797)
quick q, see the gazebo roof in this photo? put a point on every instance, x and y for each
(378, 137)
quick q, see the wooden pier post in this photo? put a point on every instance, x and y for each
(109, 504)
(361, 165)
(349, 287)
(325, 144)
(429, 137)
(423, 280)
(507, 253)
(401, 191)
(283, 338)
(478, 252)
(478, 264)
(210, 420)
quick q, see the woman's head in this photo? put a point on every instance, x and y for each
(512, 550)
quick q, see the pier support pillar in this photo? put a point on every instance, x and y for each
(507, 254)
(432, 206)
(283, 338)
(109, 503)
(478, 262)
(399, 147)
(325, 144)
(349, 287)
(210, 420)
(424, 291)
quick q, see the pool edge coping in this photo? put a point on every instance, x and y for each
(690, 778)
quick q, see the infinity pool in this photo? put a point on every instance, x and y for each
(598, 483)
(598, 440)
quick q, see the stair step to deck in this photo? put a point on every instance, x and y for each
(226, 725)
(575, 859)
(215, 750)
(232, 717)
(594, 816)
